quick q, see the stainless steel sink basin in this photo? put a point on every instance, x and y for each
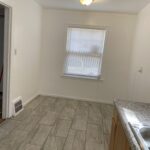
(142, 135)
(145, 133)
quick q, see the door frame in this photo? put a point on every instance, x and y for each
(7, 61)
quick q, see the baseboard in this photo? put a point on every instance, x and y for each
(30, 99)
(76, 98)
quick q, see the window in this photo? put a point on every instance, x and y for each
(84, 52)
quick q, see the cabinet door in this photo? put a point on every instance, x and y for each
(127, 145)
(120, 138)
(113, 132)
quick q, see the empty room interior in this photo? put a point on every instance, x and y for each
(74, 74)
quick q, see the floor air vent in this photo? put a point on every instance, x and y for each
(17, 106)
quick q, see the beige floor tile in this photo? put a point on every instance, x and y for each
(106, 126)
(10, 125)
(79, 123)
(94, 146)
(32, 147)
(68, 111)
(14, 139)
(95, 116)
(49, 118)
(23, 115)
(41, 135)
(54, 143)
(79, 141)
(29, 123)
(94, 133)
(70, 140)
(62, 128)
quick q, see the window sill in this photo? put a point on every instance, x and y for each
(83, 77)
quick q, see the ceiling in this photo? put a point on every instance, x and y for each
(125, 6)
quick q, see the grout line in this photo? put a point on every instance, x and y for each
(87, 127)
(71, 127)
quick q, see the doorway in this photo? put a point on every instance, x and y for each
(2, 18)
(5, 51)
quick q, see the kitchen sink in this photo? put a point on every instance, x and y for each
(145, 133)
(142, 135)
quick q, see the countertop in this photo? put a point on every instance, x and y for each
(135, 113)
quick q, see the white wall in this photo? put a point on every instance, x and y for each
(140, 82)
(26, 39)
(26, 64)
(116, 62)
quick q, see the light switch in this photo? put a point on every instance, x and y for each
(15, 51)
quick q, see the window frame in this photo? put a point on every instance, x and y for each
(99, 77)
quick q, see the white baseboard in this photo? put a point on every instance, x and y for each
(77, 98)
(30, 99)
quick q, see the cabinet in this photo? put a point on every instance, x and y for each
(118, 139)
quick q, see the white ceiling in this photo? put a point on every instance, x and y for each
(128, 6)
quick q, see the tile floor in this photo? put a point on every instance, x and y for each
(58, 124)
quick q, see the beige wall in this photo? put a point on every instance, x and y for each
(140, 82)
(26, 39)
(116, 62)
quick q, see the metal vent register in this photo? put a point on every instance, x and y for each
(17, 106)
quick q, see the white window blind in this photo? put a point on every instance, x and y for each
(84, 52)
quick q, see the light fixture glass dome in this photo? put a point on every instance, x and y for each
(86, 2)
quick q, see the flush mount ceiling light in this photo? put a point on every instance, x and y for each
(86, 2)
